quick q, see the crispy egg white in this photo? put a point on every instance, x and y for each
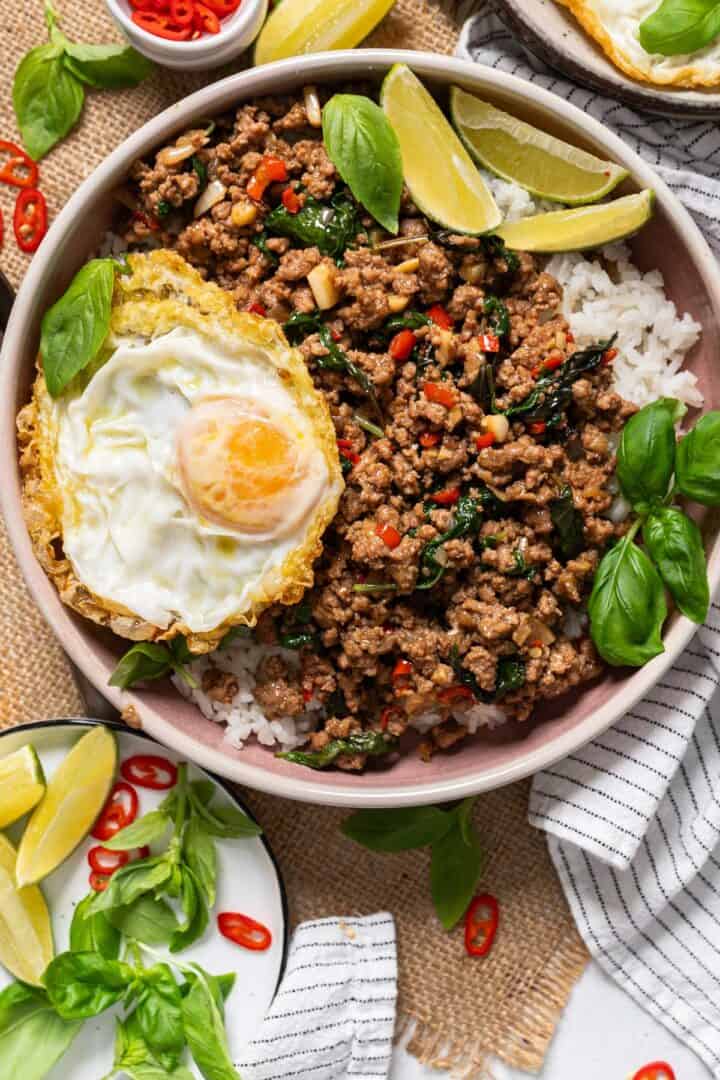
(615, 26)
(192, 474)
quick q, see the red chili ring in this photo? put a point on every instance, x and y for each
(149, 771)
(120, 810)
(243, 930)
(106, 862)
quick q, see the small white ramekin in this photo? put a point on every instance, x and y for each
(237, 31)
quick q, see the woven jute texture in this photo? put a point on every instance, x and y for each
(461, 1010)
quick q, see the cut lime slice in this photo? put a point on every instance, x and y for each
(308, 26)
(26, 945)
(22, 784)
(516, 151)
(581, 228)
(439, 172)
(72, 801)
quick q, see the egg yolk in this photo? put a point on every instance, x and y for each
(241, 467)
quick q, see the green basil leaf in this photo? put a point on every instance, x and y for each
(397, 830)
(75, 327)
(677, 27)
(646, 454)
(84, 984)
(373, 743)
(568, 524)
(205, 1032)
(149, 827)
(200, 855)
(697, 469)
(93, 933)
(331, 229)
(225, 820)
(148, 919)
(202, 791)
(627, 607)
(510, 675)
(131, 881)
(143, 662)
(47, 99)
(159, 1011)
(463, 815)
(32, 1035)
(365, 151)
(455, 867)
(134, 1057)
(675, 545)
(195, 911)
(110, 67)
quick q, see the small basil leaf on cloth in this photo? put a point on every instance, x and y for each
(455, 868)
(159, 1011)
(131, 881)
(205, 1031)
(74, 328)
(677, 27)
(697, 469)
(365, 151)
(627, 606)
(110, 67)
(84, 984)
(93, 933)
(47, 99)
(675, 545)
(646, 454)
(149, 827)
(148, 919)
(32, 1035)
(397, 830)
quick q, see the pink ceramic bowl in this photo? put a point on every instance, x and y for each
(672, 243)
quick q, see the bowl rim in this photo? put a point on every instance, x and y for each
(214, 98)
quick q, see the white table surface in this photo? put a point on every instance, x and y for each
(603, 1035)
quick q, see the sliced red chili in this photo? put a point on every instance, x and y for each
(291, 201)
(446, 497)
(483, 441)
(387, 715)
(441, 395)
(182, 12)
(608, 356)
(537, 427)
(159, 24)
(402, 345)
(270, 170)
(30, 219)
(490, 343)
(222, 8)
(402, 669)
(257, 309)
(481, 923)
(656, 1070)
(440, 317)
(120, 810)
(205, 20)
(346, 451)
(106, 862)
(244, 931)
(449, 695)
(142, 5)
(149, 771)
(429, 438)
(18, 169)
(98, 882)
(388, 534)
(147, 220)
(551, 364)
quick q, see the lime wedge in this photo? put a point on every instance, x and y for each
(22, 784)
(26, 945)
(439, 172)
(546, 166)
(581, 228)
(72, 801)
(308, 26)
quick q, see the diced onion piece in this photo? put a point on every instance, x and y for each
(312, 106)
(397, 303)
(214, 193)
(445, 350)
(472, 273)
(184, 147)
(409, 266)
(540, 632)
(243, 213)
(497, 425)
(322, 282)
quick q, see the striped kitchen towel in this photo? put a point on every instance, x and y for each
(334, 1013)
(633, 819)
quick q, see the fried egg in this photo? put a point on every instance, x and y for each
(615, 26)
(189, 477)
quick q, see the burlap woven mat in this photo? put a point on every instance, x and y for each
(462, 1010)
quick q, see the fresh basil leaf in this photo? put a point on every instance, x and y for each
(455, 867)
(397, 830)
(675, 545)
(32, 1035)
(627, 606)
(149, 827)
(202, 791)
(697, 469)
(93, 933)
(467, 520)
(143, 662)
(195, 911)
(646, 454)
(131, 881)
(200, 855)
(74, 328)
(331, 228)
(205, 1031)
(148, 919)
(224, 820)
(372, 743)
(47, 99)
(510, 676)
(110, 67)
(222, 985)
(568, 524)
(159, 1011)
(678, 27)
(84, 984)
(365, 151)
(552, 392)
(498, 316)
(134, 1057)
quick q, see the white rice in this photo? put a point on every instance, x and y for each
(603, 294)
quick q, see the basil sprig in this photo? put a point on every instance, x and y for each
(456, 855)
(148, 660)
(48, 89)
(365, 151)
(698, 461)
(677, 27)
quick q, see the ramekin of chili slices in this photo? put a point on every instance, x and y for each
(19, 172)
(189, 34)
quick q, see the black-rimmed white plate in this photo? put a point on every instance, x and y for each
(248, 881)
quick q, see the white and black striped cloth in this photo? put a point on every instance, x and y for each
(334, 1014)
(633, 819)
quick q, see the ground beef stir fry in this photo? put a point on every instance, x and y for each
(475, 438)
